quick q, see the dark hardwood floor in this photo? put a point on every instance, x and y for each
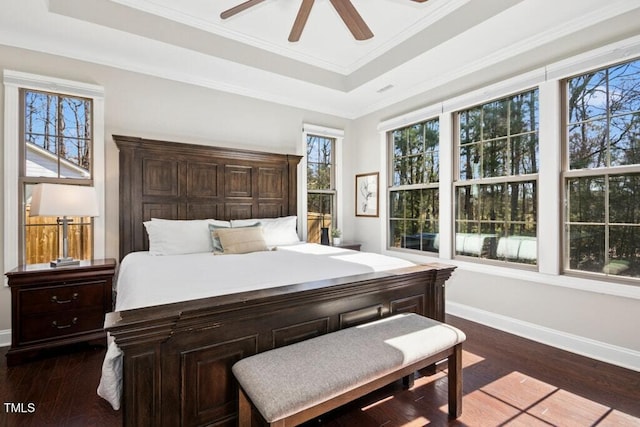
(507, 381)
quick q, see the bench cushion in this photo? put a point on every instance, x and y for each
(287, 380)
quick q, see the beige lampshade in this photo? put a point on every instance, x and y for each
(63, 200)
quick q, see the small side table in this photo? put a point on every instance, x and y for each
(56, 306)
(348, 245)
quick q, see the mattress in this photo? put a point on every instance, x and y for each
(145, 280)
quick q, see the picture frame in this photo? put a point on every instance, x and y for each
(367, 201)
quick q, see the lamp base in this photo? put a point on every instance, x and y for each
(63, 262)
(324, 236)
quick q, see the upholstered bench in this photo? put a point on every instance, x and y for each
(292, 384)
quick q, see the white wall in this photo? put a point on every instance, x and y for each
(139, 105)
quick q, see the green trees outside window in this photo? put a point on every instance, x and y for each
(602, 173)
(413, 196)
(321, 193)
(496, 188)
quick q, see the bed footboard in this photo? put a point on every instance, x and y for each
(178, 357)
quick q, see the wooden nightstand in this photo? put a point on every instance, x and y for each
(56, 306)
(348, 245)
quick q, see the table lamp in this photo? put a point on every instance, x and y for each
(63, 201)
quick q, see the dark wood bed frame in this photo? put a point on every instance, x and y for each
(178, 357)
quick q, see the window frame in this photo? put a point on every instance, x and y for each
(567, 174)
(14, 82)
(504, 179)
(337, 135)
(390, 188)
(548, 79)
(25, 180)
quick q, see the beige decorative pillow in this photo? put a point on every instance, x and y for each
(241, 240)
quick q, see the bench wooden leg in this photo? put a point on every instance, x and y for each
(455, 381)
(244, 409)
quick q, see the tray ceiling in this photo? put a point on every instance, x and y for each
(417, 47)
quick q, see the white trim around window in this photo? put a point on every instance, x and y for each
(548, 80)
(13, 82)
(338, 135)
(405, 120)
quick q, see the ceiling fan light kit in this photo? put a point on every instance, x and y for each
(345, 9)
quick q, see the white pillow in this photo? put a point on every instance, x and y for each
(277, 231)
(176, 237)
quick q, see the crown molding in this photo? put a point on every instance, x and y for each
(597, 58)
(221, 30)
(612, 9)
(160, 72)
(350, 105)
(441, 10)
(34, 81)
(408, 119)
(322, 131)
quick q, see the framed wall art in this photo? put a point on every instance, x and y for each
(367, 203)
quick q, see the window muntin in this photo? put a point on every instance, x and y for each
(496, 190)
(413, 195)
(321, 193)
(57, 135)
(602, 174)
(56, 147)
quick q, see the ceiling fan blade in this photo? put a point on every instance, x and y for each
(352, 19)
(301, 20)
(419, 1)
(239, 8)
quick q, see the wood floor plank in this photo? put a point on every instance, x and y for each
(508, 380)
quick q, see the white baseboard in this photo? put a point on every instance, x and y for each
(5, 338)
(598, 350)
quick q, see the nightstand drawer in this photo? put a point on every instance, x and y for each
(62, 298)
(53, 325)
(58, 307)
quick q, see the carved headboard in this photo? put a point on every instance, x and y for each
(170, 180)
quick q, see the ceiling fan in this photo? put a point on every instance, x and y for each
(345, 9)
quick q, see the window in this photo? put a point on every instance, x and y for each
(53, 133)
(56, 148)
(496, 186)
(602, 172)
(321, 188)
(413, 194)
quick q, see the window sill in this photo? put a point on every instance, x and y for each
(579, 283)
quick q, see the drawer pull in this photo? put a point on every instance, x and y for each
(54, 324)
(64, 301)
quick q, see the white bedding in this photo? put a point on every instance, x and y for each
(146, 280)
